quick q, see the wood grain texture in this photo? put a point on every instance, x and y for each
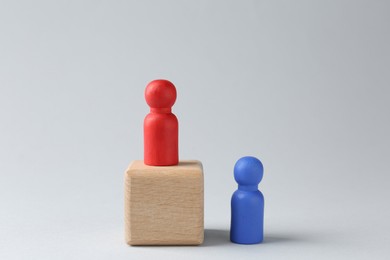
(164, 204)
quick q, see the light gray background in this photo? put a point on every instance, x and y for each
(303, 85)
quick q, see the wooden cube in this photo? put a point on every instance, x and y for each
(164, 204)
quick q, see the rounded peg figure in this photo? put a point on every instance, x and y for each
(247, 204)
(161, 146)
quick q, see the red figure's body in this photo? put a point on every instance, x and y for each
(161, 129)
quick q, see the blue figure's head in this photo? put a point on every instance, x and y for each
(248, 171)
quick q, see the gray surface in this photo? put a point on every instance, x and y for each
(303, 85)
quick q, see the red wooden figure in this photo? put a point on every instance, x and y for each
(161, 129)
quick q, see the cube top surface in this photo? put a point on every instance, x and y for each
(188, 166)
(164, 204)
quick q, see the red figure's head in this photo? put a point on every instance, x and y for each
(160, 93)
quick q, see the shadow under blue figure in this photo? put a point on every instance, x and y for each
(247, 205)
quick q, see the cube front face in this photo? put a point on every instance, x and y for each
(164, 204)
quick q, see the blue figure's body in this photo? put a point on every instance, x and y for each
(247, 203)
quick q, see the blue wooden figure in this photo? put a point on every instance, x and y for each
(247, 203)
